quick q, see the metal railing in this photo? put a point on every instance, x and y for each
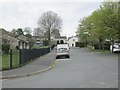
(27, 55)
(22, 56)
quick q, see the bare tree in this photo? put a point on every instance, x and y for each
(38, 32)
(27, 30)
(49, 21)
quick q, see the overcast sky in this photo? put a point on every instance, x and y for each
(24, 13)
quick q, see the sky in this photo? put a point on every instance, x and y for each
(25, 13)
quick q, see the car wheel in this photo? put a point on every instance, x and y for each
(67, 56)
(57, 57)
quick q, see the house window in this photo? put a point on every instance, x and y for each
(57, 41)
(61, 41)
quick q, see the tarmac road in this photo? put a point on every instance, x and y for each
(84, 69)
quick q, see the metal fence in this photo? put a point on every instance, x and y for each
(23, 56)
(27, 55)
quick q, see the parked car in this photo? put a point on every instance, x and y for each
(116, 47)
(62, 51)
(38, 44)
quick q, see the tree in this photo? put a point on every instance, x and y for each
(27, 32)
(84, 28)
(18, 32)
(106, 21)
(55, 33)
(48, 22)
(38, 32)
(110, 11)
(102, 24)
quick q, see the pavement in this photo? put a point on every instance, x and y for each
(39, 65)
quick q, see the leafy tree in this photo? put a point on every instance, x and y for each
(84, 30)
(110, 11)
(99, 27)
(103, 24)
(18, 32)
(27, 32)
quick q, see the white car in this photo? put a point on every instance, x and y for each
(116, 47)
(62, 51)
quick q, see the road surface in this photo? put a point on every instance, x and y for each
(84, 69)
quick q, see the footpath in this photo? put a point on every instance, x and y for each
(41, 64)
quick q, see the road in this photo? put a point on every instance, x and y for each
(85, 69)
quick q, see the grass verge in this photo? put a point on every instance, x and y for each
(6, 60)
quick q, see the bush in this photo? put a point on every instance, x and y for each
(81, 44)
(5, 48)
(96, 46)
(45, 42)
(17, 47)
(107, 46)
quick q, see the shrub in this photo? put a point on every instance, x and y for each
(45, 42)
(107, 46)
(5, 48)
(81, 44)
(17, 47)
(96, 46)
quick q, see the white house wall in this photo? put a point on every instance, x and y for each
(72, 41)
(64, 40)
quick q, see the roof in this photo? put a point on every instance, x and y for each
(8, 35)
(61, 37)
(22, 37)
(4, 32)
(72, 37)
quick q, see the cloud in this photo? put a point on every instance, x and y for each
(52, 0)
(23, 14)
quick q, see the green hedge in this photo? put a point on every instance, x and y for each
(81, 44)
(5, 48)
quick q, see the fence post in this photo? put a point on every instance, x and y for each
(20, 57)
(10, 58)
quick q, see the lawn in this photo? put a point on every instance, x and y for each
(6, 60)
(98, 50)
(102, 51)
(0, 61)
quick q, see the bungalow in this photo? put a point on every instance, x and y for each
(60, 39)
(20, 42)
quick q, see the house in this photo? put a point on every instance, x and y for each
(23, 42)
(73, 41)
(39, 39)
(54, 40)
(20, 42)
(60, 39)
